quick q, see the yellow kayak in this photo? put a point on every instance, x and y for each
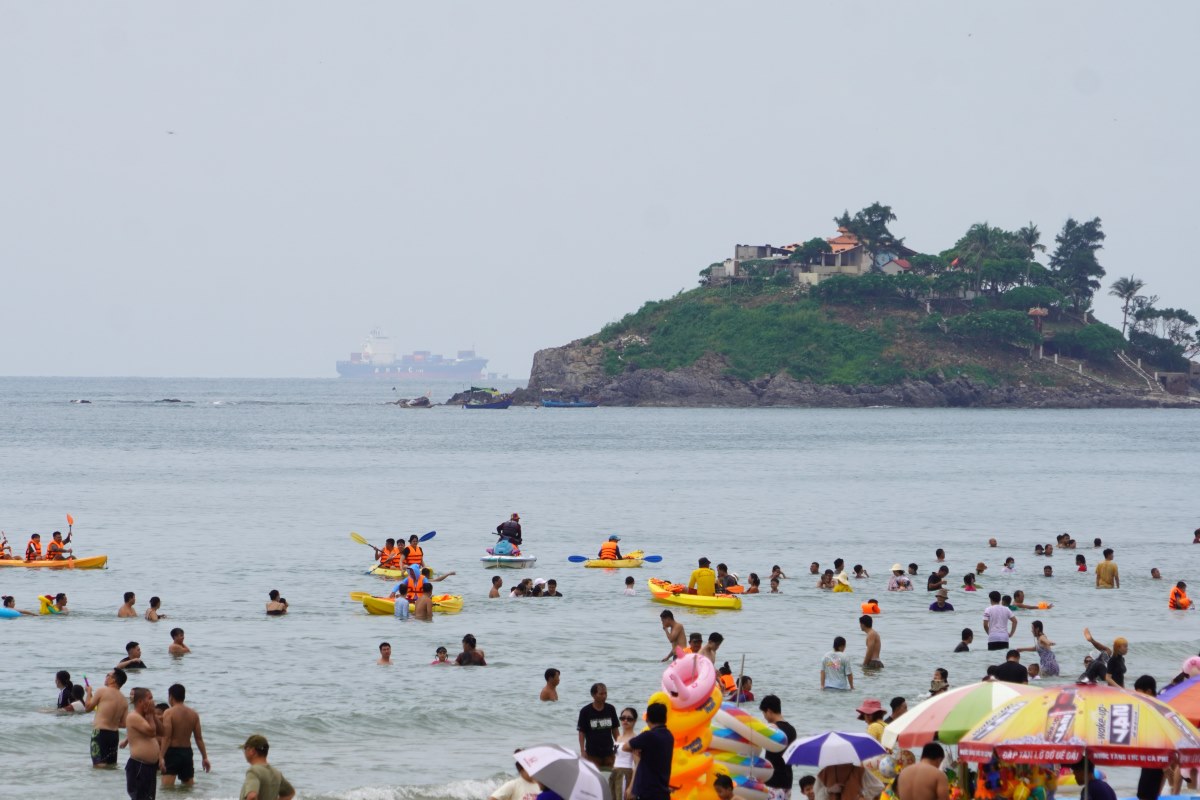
(666, 592)
(91, 562)
(445, 603)
(633, 559)
(384, 572)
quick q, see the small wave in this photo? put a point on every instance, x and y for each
(454, 790)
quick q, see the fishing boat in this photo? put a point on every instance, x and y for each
(486, 398)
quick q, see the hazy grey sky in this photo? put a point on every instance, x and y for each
(244, 189)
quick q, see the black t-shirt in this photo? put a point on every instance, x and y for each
(781, 778)
(1116, 669)
(962, 647)
(652, 781)
(1150, 784)
(934, 583)
(1103, 666)
(598, 727)
(1010, 672)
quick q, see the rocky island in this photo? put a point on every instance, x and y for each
(861, 320)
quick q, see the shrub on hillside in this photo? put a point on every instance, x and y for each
(1012, 327)
(1024, 298)
(1097, 342)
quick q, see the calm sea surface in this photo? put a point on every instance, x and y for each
(255, 485)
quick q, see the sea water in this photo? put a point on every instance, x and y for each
(249, 486)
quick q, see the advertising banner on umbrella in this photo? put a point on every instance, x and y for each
(1107, 724)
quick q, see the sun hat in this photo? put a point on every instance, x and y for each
(704, 562)
(942, 593)
(897, 568)
(842, 579)
(869, 706)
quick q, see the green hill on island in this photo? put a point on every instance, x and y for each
(863, 310)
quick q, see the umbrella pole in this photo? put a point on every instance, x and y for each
(737, 687)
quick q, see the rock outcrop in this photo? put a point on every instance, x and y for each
(578, 369)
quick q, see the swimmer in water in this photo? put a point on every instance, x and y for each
(1047, 571)
(992, 543)
(1155, 574)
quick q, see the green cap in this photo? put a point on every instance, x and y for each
(256, 742)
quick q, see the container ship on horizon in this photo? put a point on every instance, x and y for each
(378, 360)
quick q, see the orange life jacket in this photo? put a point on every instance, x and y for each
(727, 683)
(54, 551)
(609, 550)
(870, 608)
(33, 550)
(414, 589)
(1178, 600)
(414, 555)
(389, 557)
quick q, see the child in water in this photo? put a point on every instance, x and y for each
(440, 656)
(969, 583)
(629, 586)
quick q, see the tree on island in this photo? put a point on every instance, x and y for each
(1074, 265)
(1127, 289)
(870, 225)
(809, 252)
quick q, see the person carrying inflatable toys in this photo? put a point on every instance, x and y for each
(389, 556)
(33, 550)
(871, 607)
(703, 580)
(1178, 600)
(413, 554)
(57, 547)
(610, 550)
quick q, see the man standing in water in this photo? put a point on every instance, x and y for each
(549, 693)
(127, 610)
(675, 634)
(873, 643)
(598, 729)
(423, 604)
(181, 724)
(263, 782)
(143, 728)
(924, 780)
(1107, 574)
(109, 704)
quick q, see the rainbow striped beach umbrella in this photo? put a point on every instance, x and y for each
(948, 716)
(1064, 724)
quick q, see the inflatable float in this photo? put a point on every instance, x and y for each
(9, 613)
(669, 593)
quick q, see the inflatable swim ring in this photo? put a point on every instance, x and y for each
(729, 741)
(735, 764)
(750, 788)
(750, 728)
(46, 604)
(689, 727)
(9, 613)
(686, 767)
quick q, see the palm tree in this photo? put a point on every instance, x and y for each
(1126, 289)
(1030, 238)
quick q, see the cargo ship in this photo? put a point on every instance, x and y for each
(377, 359)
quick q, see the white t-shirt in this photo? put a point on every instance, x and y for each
(517, 789)
(837, 667)
(997, 618)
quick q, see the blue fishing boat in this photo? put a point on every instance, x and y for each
(481, 397)
(505, 403)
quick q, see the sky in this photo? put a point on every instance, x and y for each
(235, 189)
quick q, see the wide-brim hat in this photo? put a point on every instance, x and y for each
(842, 579)
(897, 568)
(869, 706)
(942, 593)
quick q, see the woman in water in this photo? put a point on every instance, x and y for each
(1042, 645)
(754, 582)
(11, 605)
(969, 583)
(1081, 562)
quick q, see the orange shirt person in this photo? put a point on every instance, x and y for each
(389, 556)
(57, 549)
(1178, 601)
(33, 550)
(413, 554)
(610, 550)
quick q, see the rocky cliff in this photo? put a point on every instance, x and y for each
(578, 369)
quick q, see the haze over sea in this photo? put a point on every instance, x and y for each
(251, 485)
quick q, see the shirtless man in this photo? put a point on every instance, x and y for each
(128, 610)
(60, 604)
(133, 657)
(177, 647)
(142, 726)
(497, 582)
(385, 654)
(709, 650)
(109, 704)
(423, 604)
(675, 634)
(180, 724)
(873, 643)
(276, 605)
(550, 690)
(924, 780)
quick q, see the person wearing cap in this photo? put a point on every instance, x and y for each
(871, 712)
(939, 603)
(610, 550)
(510, 530)
(899, 582)
(703, 580)
(263, 782)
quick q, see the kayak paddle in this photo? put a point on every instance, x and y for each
(425, 537)
(582, 559)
